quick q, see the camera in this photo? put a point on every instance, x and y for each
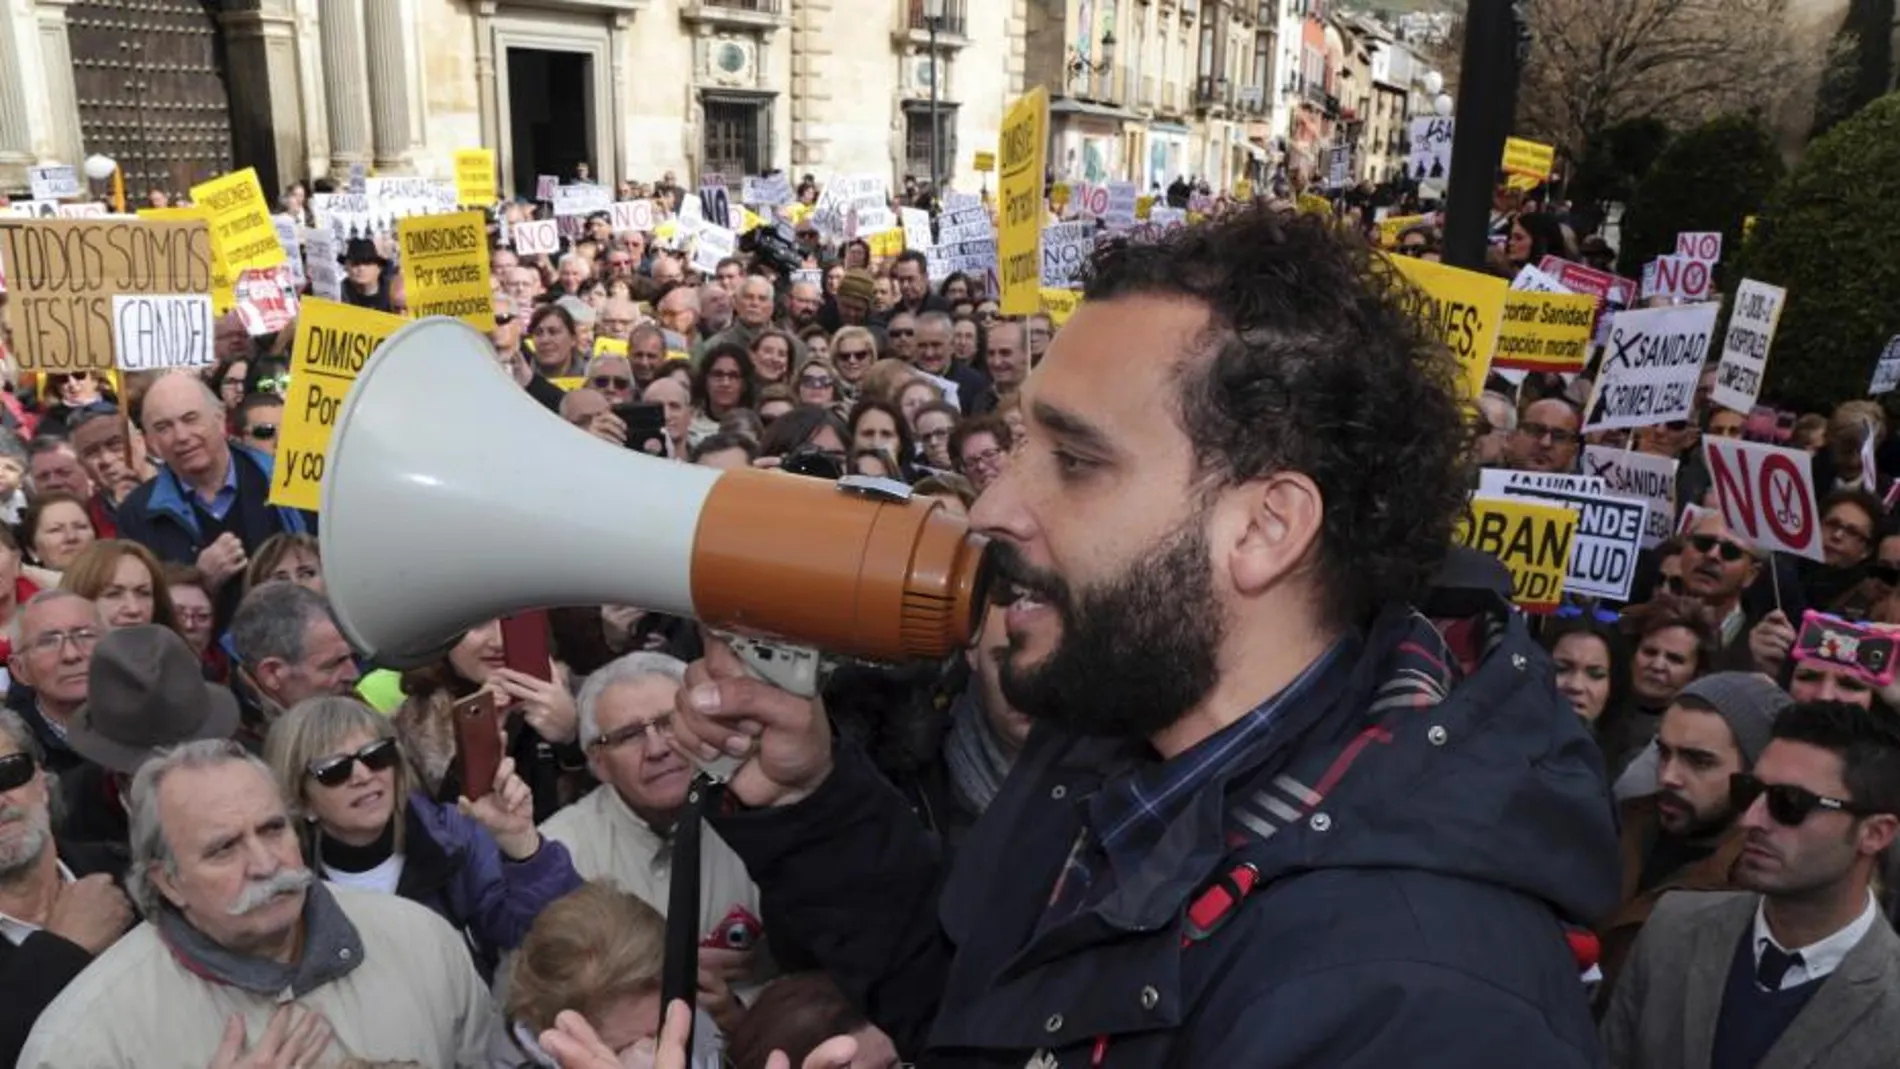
(815, 462)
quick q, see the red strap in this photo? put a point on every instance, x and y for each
(1216, 904)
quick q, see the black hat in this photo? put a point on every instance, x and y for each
(362, 251)
(145, 691)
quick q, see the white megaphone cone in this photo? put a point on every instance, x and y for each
(451, 497)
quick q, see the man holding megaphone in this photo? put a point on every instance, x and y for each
(1242, 471)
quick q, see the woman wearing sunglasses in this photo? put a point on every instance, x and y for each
(479, 864)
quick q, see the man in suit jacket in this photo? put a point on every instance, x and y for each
(59, 907)
(1801, 972)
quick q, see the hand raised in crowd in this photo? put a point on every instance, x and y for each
(294, 1039)
(222, 559)
(91, 912)
(786, 738)
(547, 705)
(608, 428)
(717, 999)
(507, 812)
(1770, 642)
(575, 1045)
(617, 623)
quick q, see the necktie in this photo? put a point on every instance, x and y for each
(1773, 965)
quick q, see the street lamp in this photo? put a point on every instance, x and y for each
(99, 168)
(1079, 66)
(933, 15)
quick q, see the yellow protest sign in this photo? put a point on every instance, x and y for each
(610, 346)
(797, 213)
(1393, 225)
(1532, 541)
(678, 354)
(1019, 147)
(1310, 204)
(887, 243)
(223, 279)
(332, 344)
(1059, 196)
(1243, 189)
(1143, 205)
(569, 383)
(1545, 332)
(1059, 305)
(475, 177)
(1531, 159)
(1521, 183)
(985, 162)
(240, 220)
(64, 277)
(445, 259)
(1463, 308)
(749, 220)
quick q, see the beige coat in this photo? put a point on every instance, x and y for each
(608, 841)
(416, 999)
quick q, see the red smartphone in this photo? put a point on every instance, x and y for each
(524, 644)
(478, 736)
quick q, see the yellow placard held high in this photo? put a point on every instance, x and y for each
(445, 259)
(1059, 305)
(1020, 147)
(475, 177)
(1532, 540)
(886, 243)
(1464, 308)
(1545, 331)
(333, 343)
(1531, 159)
(240, 221)
(985, 162)
(1393, 225)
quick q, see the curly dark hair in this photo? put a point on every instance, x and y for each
(1670, 610)
(1315, 366)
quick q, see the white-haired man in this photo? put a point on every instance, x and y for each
(236, 929)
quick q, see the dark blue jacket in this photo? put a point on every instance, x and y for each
(159, 516)
(1409, 912)
(452, 865)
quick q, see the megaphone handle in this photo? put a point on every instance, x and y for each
(794, 669)
(679, 971)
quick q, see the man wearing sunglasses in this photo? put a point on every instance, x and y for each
(1801, 969)
(1717, 567)
(59, 906)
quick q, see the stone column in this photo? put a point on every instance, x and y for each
(387, 29)
(267, 131)
(345, 82)
(486, 88)
(16, 131)
(62, 97)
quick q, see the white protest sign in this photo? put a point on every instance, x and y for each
(1638, 475)
(289, 236)
(320, 264)
(1678, 277)
(1609, 527)
(1430, 157)
(56, 182)
(711, 245)
(691, 216)
(1751, 329)
(1650, 366)
(1120, 213)
(916, 228)
(85, 209)
(1534, 280)
(1093, 200)
(766, 191)
(1767, 494)
(714, 200)
(266, 300)
(582, 200)
(541, 237)
(1065, 248)
(1703, 245)
(545, 185)
(154, 331)
(1887, 370)
(1165, 219)
(627, 216)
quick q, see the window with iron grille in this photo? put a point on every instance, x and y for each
(737, 135)
(917, 137)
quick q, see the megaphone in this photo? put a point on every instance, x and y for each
(451, 497)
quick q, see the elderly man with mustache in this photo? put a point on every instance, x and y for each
(243, 955)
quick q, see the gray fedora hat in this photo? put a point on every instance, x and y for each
(146, 690)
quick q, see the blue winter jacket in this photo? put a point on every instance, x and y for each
(1409, 911)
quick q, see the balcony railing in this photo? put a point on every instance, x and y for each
(763, 7)
(952, 21)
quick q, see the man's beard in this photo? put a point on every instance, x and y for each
(1135, 653)
(18, 856)
(1699, 826)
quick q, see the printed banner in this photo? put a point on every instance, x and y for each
(1643, 476)
(713, 244)
(445, 259)
(475, 177)
(240, 220)
(1650, 367)
(1609, 527)
(1751, 330)
(157, 331)
(1702, 245)
(1463, 308)
(628, 216)
(1531, 539)
(333, 343)
(1430, 158)
(1065, 250)
(55, 182)
(1528, 158)
(63, 274)
(266, 300)
(1020, 147)
(1767, 494)
(321, 265)
(1545, 331)
(1678, 278)
(1886, 369)
(539, 238)
(1059, 305)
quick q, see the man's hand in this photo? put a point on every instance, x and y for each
(223, 559)
(1770, 642)
(721, 709)
(717, 999)
(91, 912)
(507, 812)
(608, 428)
(294, 1039)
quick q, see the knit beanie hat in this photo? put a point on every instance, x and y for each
(1747, 701)
(858, 285)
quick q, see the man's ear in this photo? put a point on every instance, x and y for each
(17, 667)
(1877, 832)
(161, 877)
(270, 672)
(1284, 515)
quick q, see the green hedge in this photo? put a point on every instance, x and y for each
(1830, 234)
(1710, 178)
